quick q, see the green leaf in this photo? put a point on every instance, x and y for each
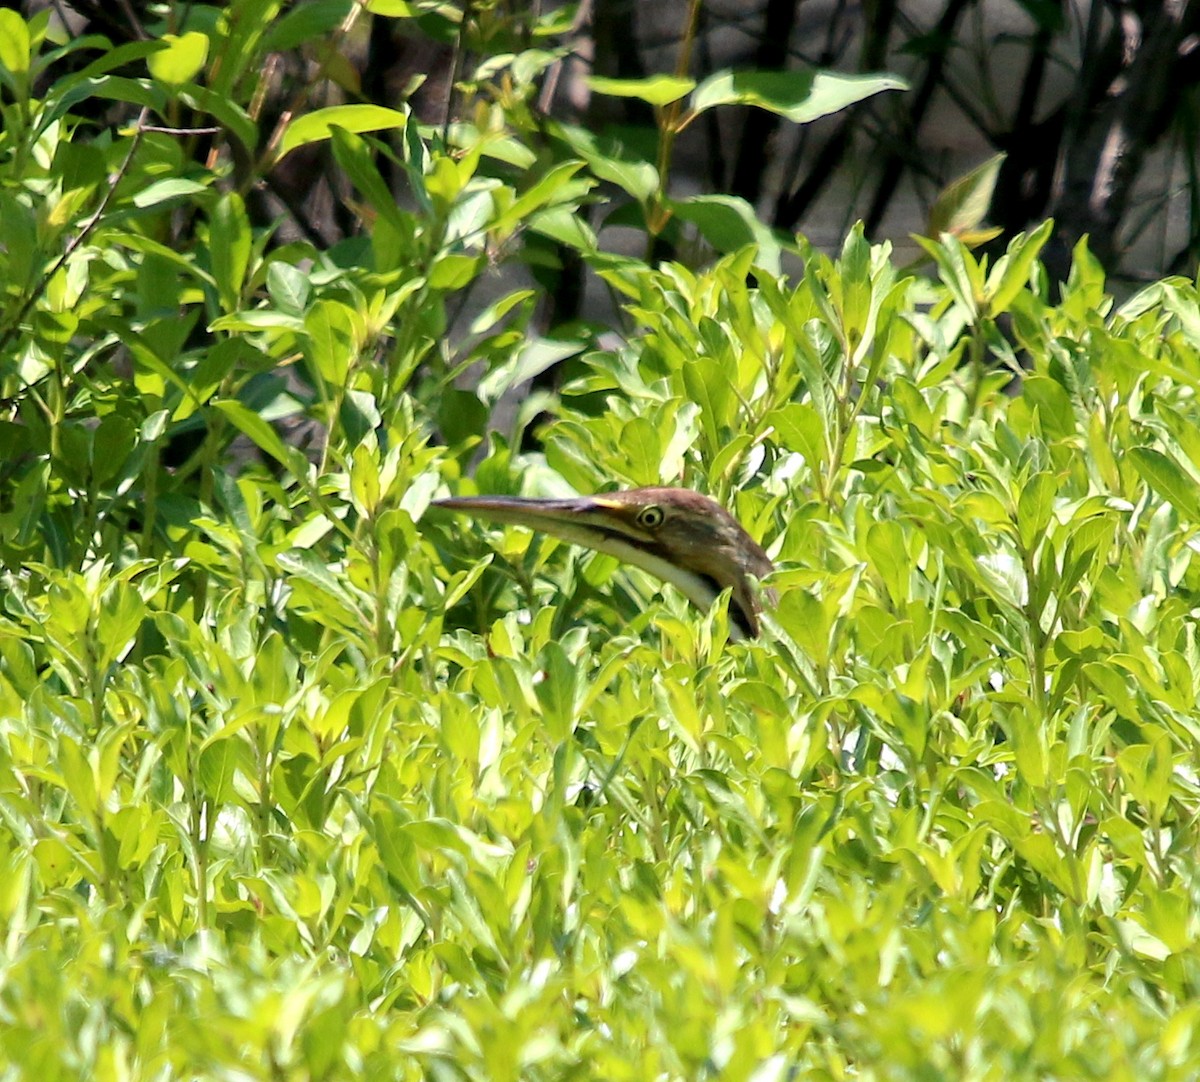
(230, 242)
(56, 862)
(182, 60)
(317, 126)
(498, 309)
(960, 272)
(805, 617)
(655, 89)
(1055, 410)
(289, 287)
(565, 226)
(642, 448)
(140, 92)
(558, 692)
(962, 206)
(216, 768)
(411, 9)
(799, 428)
(532, 358)
(305, 23)
(1168, 479)
(114, 439)
(397, 851)
(1035, 507)
(554, 187)
(163, 191)
(730, 224)
(364, 481)
(706, 380)
(308, 567)
(15, 46)
(355, 156)
(332, 340)
(265, 437)
(229, 114)
(801, 96)
(1011, 273)
(610, 161)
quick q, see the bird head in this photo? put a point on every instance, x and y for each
(675, 534)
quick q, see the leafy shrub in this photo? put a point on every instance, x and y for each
(297, 782)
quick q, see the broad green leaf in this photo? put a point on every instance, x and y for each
(15, 46)
(262, 435)
(798, 427)
(1168, 479)
(806, 619)
(487, 319)
(317, 126)
(355, 156)
(960, 272)
(181, 61)
(216, 768)
(332, 340)
(554, 187)
(1011, 273)
(163, 191)
(530, 360)
(708, 386)
(140, 92)
(730, 224)
(289, 287)
(610, 161)
(397, 851)
(306, 23)
(963, 204)
(230, 242)
(1035, 505)
(642, 447)
(411, 9)
(655, 89)
(558, 692)
(1055, 410)
(114, 439)
(801, 96)
(229, 114)
(364, 481)
(56, 862)
(565, 225)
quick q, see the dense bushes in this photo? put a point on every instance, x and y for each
(297, 782)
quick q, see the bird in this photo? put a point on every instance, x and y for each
(677, 535)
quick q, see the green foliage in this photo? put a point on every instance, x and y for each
(296, 783)
(726, 223)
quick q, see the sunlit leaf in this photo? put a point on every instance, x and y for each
(800, 96)
(656, 89)
(181, 60)
(316, 126)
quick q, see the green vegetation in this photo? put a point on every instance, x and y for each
(296, 783)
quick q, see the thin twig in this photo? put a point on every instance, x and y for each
(181, 131)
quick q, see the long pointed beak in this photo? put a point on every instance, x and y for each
(518, 510)
(580, 520)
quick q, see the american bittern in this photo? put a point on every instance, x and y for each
(676, 535)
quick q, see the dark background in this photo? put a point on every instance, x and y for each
(1095, 108)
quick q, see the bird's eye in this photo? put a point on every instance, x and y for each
(651, 517)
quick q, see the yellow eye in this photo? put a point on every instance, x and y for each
(650, 517)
